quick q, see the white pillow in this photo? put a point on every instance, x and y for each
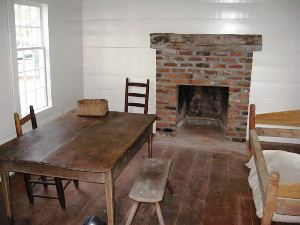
(288, 166)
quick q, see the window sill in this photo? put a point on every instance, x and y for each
(42, 109)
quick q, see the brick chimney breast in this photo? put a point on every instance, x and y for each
(209, 60)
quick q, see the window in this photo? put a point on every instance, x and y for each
(32, 58)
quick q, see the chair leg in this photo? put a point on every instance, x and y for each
(44, 178)
(159, 214)
(76, 184)
(132, 213)
(28, 188)
(60, 192)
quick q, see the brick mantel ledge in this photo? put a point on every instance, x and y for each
(213, 42)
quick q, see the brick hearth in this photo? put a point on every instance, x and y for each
(204, 60)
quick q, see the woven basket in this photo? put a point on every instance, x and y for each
(92, 107)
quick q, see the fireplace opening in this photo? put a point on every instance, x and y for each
(202, 105)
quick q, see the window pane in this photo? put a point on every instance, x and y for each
(21, 37)
(23, 103)
(24, 15)
(38, 58)
(30, 82)
(28, 26)
(27, 15)
(30, 95)
(35, 17)
(28, 60)
(20, 58)
(36, 37)
(17, 14)
(41, 97)
(22, 81)
(40, 80)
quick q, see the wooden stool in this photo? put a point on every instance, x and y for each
(150, 186)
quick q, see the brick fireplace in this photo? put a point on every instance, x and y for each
(215, 68)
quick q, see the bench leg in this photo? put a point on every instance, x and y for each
(159, 214)
(169, 186)
(76, 184)
(132, 212)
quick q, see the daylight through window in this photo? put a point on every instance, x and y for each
(32, 73)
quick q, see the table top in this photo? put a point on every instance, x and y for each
(93, 144)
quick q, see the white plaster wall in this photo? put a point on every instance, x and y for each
(116, 43)
(6, 100)
(65, 40)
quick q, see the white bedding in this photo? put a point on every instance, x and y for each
(288, 166)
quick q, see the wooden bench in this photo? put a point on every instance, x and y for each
(150, 186)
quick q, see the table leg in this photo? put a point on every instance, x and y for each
(150, 141)
(7, 195)
(109, 195)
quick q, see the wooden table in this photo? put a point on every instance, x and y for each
(81, 148)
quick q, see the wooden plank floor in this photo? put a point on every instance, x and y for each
(211, 189)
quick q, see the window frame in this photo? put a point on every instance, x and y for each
(44, 47)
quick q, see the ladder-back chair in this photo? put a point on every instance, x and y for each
(138, 95)
(41, 180)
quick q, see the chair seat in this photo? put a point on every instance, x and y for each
(151, 183)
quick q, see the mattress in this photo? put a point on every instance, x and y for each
(288, 166)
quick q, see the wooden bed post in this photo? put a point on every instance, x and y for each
(270, 202)
(251, 126)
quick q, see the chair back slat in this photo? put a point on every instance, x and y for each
(25, 119)
(137, 95)
(136, 104)
(134, 84)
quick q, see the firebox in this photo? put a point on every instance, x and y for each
(202, 105)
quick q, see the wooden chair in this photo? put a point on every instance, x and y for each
(138, 95)
(150, 186)
(45, 181)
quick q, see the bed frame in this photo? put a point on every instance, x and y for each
(277, 198)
